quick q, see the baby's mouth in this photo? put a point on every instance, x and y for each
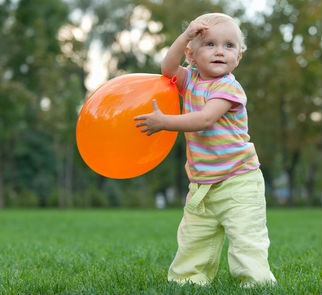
(218, 62)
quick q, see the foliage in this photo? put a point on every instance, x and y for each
(44, 56)
(34, 62)
(285, 91)
(129, 252)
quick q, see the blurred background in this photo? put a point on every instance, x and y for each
(54, 53)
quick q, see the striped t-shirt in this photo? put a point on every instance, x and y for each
(223, 150)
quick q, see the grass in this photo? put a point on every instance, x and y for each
(129, 252)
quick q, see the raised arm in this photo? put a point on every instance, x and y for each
(194, 121)
(171, 63)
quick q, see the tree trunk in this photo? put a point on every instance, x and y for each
(60, 175)
(69, 175)
(1, 186)
(291, 177)
(310, 181)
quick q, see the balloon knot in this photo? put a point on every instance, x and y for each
(173, 80)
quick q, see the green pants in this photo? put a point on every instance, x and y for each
(234, 208)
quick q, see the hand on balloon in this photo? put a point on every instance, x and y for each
(152, 122)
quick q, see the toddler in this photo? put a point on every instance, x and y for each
(226, 192)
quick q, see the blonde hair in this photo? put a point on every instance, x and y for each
(212, 19)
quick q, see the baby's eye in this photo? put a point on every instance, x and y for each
(210, 44)
(230, 45)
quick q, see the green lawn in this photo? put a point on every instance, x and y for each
(129, 252)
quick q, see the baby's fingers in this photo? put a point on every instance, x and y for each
(140, 117)
(140, 124)
(147, 131)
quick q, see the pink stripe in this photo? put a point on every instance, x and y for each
(219, 179)
(220, 147)
(214, 163)
(229, 96)
(199, 87)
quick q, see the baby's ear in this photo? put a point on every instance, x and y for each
(189, 55)
(239, 57)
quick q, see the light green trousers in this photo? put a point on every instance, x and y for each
(234, 208)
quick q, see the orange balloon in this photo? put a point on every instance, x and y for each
(106, 135)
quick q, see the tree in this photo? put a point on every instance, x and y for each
(44, 51)
(285, 90)
(34, 58)
(16, 109)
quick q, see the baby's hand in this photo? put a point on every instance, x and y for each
(195, 28)
(152, 122)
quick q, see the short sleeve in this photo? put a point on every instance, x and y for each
(228, 88)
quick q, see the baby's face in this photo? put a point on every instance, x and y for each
(217, 52)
